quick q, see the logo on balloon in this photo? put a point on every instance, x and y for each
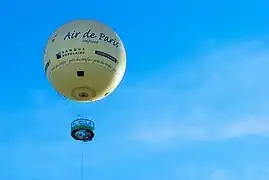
(68, 52)
(47, 66)
(100, 53)
(92, 37)
(53, 38)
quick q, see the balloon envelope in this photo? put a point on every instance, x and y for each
(84, 60)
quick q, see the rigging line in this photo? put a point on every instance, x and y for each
(82, 156)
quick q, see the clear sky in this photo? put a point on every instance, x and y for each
(193, 105)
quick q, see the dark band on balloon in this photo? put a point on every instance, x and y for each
(100, 53)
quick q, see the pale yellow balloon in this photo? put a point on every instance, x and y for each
(84, 60)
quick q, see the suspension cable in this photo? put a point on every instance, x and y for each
(82, 157)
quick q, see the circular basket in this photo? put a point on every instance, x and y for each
(82, 129)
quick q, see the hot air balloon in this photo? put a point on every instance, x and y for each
(84, 61)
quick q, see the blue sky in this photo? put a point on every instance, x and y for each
(193, 104)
